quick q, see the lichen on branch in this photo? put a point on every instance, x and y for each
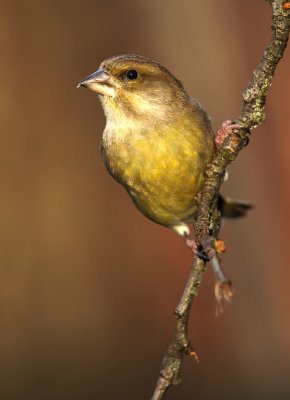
(252, 115)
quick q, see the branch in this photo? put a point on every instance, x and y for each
(252, 115)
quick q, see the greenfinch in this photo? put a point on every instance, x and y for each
(157, 140)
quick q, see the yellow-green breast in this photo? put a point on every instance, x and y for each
(161, 168)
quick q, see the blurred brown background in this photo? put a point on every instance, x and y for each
(87, 284)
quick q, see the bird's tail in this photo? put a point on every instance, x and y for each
(230, 208)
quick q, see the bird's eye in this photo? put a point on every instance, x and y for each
(132, 74)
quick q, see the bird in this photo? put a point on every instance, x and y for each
(157, 141)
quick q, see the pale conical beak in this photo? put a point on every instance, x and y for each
(99, 82)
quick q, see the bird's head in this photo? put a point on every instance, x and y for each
(136, 88)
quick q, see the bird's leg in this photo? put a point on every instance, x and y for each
(183, 230)
(225, 130)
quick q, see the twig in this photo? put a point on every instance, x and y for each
(252, 115)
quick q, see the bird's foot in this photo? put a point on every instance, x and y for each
(191, 243)
(225, 130)
(198, 250)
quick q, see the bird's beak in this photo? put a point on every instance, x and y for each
(99, 82)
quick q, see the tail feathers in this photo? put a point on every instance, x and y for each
(230, 208)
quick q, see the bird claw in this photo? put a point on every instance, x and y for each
(225, 130)
(198, 250)
(202, 254)
(191, 243)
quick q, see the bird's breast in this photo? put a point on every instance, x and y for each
(161, 169)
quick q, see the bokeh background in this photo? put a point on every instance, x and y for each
(88, 285)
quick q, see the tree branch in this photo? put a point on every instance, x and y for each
(252, 115)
